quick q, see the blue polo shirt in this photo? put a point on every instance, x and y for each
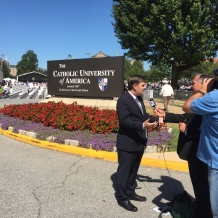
(207, 106)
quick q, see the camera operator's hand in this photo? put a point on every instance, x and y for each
(160, 113)
(146, 124)
(182, 127)
(207, 85)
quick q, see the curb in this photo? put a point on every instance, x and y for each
(109, 156)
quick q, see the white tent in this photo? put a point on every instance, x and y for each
(8, 79)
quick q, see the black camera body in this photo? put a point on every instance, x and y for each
(215, 85)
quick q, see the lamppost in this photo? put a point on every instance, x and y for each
(88, 53)
(1, 64)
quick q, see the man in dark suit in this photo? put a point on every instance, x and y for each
(131, 140)
(190, 125)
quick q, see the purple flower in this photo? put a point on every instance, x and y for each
(104, 142)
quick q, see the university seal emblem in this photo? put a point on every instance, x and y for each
(102, 83)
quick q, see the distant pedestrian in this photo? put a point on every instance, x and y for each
(11, 90)
(177, 86)
(167, 93)
(148, 86)
(1, 90)
(3, 83)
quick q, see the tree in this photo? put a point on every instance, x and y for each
(158, 73)
(133, 67)
(28, 63)
(204, 67)
(42, 71)
(180, 33)
(6, 70)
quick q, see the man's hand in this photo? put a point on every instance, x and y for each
(146, 124)
(207, 85)
(182, 127)
(160, 113)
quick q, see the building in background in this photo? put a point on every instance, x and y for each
(100, 55)
(32, 77)
(13, 70)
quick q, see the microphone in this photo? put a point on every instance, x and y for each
(152, 103)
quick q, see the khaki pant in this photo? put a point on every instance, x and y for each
(166, 100)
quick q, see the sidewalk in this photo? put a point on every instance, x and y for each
(108, 104)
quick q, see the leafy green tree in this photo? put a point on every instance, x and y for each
(28, 63)
(158, 72)
(6, 70)
(180, 33)
(204, 67)
(42, 71)
(132, 67)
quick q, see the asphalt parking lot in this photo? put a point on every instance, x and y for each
(39, 182)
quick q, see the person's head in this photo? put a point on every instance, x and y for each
(198, 80)
(136, 84)
(164, 82)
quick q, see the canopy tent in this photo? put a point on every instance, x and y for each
(12, 80)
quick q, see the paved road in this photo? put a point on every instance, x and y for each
(42, 183)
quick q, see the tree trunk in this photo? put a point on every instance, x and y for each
(175, 74)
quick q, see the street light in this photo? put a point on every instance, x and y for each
(1, 64)
(88, 53)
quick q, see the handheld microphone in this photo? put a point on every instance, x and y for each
(152, 103)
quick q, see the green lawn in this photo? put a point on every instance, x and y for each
(175, 131)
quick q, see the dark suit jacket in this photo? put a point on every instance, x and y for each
(131, 136)
(187, 143)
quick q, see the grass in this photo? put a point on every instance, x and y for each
(175, 132)
(178, 103)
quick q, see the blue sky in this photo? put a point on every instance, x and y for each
(53, 29)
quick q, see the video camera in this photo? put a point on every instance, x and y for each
(215, 85)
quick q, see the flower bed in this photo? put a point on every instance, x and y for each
(59, 120)
(66, 117)
(104, 142)
(161, 139)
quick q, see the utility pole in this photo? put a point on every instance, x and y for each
(1, 64)
(88, 53)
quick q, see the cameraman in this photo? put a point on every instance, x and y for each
(189, 126)
(206, 104)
